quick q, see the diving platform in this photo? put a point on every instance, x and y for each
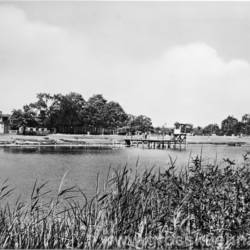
(177, 142)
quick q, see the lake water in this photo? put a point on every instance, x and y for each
(22, 166)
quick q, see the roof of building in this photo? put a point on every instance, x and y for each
(5, 115)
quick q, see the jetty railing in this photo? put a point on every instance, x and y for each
(177, 141)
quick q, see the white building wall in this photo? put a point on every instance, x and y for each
(1, 128)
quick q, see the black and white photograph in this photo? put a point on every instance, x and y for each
(124, 124)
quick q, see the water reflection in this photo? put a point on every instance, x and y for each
(58, 150)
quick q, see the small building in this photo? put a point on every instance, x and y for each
(4, 123)
(33, 131)
(181, 128)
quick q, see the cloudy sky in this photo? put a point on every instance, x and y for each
(187, 62)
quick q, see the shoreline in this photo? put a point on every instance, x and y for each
(108, 146)
(104, 141)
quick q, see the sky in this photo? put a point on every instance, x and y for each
(171, 61)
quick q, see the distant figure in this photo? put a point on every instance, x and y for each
(145, 135)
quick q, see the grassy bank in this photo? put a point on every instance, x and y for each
(201, 206)
(61, 140)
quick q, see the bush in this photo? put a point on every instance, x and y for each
(200, 206)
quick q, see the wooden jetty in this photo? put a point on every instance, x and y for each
(178, 141)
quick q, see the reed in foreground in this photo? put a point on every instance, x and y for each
(202, 206)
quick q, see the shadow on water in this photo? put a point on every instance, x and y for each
(58, 150)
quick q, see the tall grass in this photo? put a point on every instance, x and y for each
(199, 207)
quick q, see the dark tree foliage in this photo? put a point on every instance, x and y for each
(42, 109)
(211, 129)
(245, 124)
(66, 112)
(229, 126)
(70, 113)
(114, 115)
(96, 109)
(141, 123)
(17, 119)
(198, 130)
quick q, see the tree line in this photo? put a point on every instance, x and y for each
(229, 126)
(71, 113)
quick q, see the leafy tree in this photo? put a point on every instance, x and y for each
(211, 129)
(198, 131)
(114, 115)
(246, 118)
(42, 108)
(95, 113)
(65, 112)
(23, 118)
(30, 116)
(142, 123)
(70, 113)
(246, 124)
(17, 119)
(239, 128)
(229, 126)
